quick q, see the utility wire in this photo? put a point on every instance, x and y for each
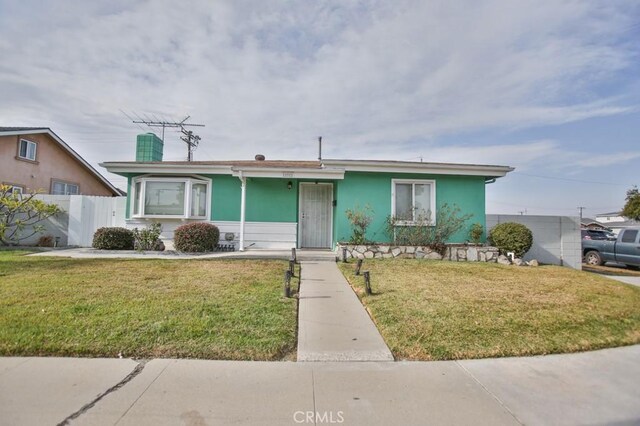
(570, 179)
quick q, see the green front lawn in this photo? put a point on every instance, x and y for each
(431, 310)
(212, 309)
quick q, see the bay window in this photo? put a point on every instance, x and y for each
(412, 200)
(170, 197)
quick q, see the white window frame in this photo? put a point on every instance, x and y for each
(35, 150)
(66, 187)
(188, 181)
(413, 182)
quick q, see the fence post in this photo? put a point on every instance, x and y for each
(358, 266)
(292, 268)
(294, 256)
(344, 255)
(367, 282)
(287, 284)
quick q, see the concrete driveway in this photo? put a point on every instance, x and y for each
(598, 387)
(624, 279)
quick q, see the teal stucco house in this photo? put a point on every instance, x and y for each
(284, 204)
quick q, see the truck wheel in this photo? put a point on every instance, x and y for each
(593, 258)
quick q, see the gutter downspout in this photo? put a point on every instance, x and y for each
(243, 197)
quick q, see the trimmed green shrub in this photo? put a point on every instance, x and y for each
(113, 239)
(46, 241)
(196, 237)
(475, 233)
(511, 236)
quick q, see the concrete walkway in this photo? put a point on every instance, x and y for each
(598, 387)
(90, 253)
(332, 323)
(625, 279)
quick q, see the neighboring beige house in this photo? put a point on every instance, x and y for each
(36, 159)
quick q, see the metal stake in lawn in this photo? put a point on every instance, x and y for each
(292, 267)
(358, 266)
(344, 255)
(294, 257)
(287, 284)
(367, 282)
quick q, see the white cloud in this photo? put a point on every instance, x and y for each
(373, 77)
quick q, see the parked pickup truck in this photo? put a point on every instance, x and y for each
(626, 249)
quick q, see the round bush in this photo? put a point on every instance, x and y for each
(113, 239)
(196, 237)
(511, 236)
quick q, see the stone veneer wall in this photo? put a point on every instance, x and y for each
(455, 253)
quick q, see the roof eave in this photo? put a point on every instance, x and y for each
(123, 169)
(489, 171)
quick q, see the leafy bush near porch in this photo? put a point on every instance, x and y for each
(113, 239)
(360, 219)
(148, 238)
(511, 236)
(475, 233)
(196, 237)
(423, 231)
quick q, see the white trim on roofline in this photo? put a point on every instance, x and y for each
(289, 173)
(142, 167)
(254, 171)
(68, 149)
(421, 168)
(331, 169)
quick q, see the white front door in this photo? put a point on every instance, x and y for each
(316, 201)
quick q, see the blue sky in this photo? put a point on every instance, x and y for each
(549, 87)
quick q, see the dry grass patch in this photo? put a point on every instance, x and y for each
(443, 310)
(211, 309)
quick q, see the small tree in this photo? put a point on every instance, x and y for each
(360, 219)
(632, 207)
(21, 214)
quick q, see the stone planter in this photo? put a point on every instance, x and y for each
(454, 252)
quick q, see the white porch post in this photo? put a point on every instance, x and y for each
(243, 195)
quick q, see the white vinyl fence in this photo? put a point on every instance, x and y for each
(82, 215)
(56, 226)
(88, 213)
(556, 239)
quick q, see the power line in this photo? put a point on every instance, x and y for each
(570, 179)
(192, 142)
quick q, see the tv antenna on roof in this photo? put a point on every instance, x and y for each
(191, 140)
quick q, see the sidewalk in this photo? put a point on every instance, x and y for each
(333, 325)
(90, 253)
(587, 388)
